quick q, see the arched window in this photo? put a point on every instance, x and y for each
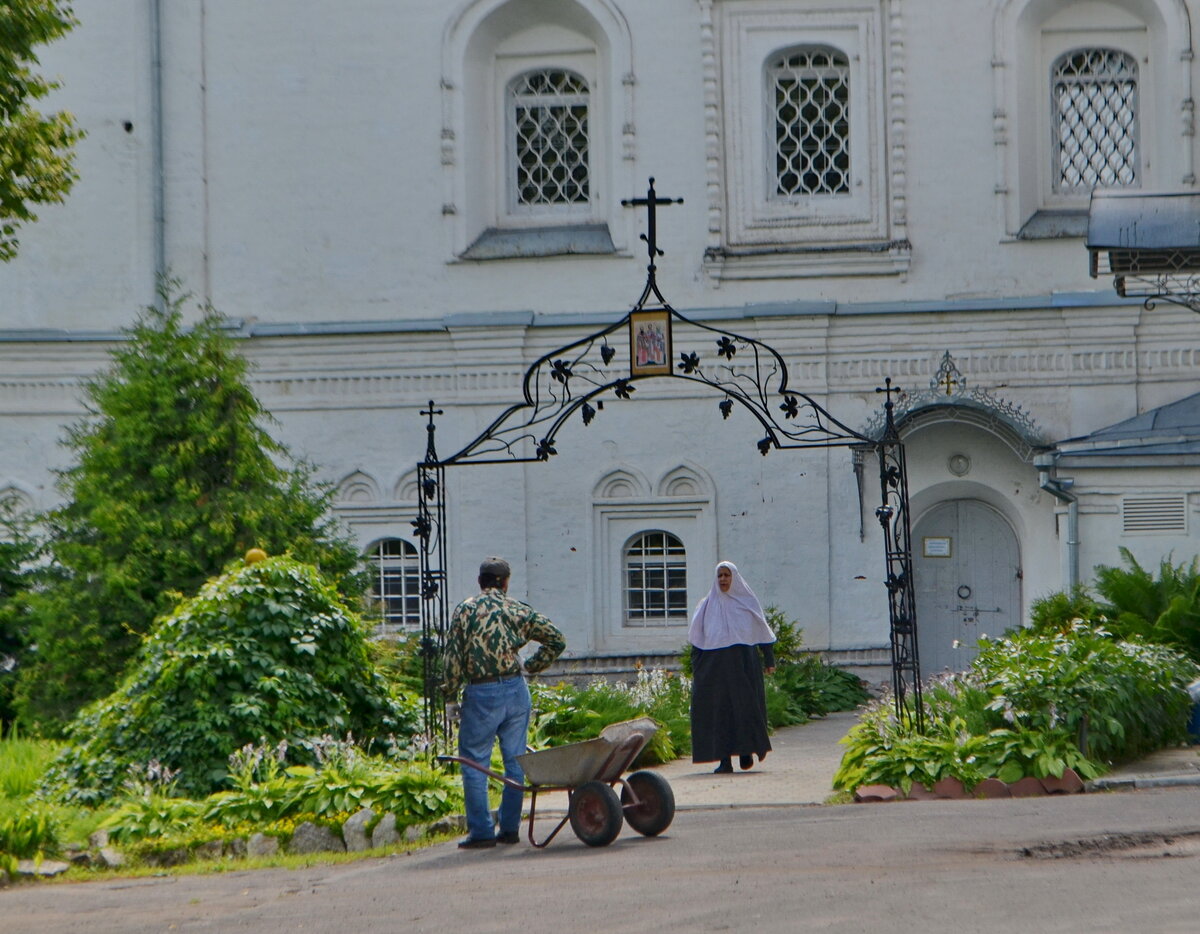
(1094, 96)
(655, 566)
(548, 141)
(809, 92)
(396, 584)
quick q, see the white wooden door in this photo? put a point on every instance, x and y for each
(967, 575)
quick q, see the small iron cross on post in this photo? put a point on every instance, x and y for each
(431, 428)
(651, 201)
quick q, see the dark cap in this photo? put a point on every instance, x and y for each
(495, 567)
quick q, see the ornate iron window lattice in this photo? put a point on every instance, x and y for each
(810, 94)
(568, 384)
(1095, 105)
(549, 114)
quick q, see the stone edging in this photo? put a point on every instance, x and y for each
(953, 789)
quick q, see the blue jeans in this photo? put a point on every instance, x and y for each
(498, 710)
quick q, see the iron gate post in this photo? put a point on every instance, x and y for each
(893, 515)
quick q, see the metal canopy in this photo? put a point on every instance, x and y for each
(1149, 242)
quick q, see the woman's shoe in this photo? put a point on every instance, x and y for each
(724, 768)
(746, 762)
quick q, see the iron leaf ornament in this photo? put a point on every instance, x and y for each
(588, 413)
(726, 348)
(689, 362)
(561, 371)
(622, 389)
(726, 407)
(790, 407)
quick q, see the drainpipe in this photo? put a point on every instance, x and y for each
(1060, 489)
(158, 158)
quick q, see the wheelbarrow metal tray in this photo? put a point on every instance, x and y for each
(575, 763)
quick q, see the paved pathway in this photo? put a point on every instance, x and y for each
(799, 770)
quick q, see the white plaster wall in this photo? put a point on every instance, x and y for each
(304, 189)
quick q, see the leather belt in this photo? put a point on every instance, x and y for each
(492, 679)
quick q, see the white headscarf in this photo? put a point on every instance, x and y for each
(731, 618)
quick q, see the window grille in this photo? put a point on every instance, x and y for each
(1167, 513)
(549, 126)
(396, 584)
(810, 98)
(1095, 106)
(655, 581)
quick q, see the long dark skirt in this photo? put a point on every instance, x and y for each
(729, 703)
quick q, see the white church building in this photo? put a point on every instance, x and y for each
(399, 202)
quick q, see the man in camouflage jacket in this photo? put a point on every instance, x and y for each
(480, 658)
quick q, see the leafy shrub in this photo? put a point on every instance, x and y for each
(567, 714)
(267, 651)
(1122, 698)
(1034, 703)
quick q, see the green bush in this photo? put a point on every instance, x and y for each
(265, 652)
(1033, 703)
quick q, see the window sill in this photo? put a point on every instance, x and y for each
(533, 242)
(1054, 225)
(878, 258)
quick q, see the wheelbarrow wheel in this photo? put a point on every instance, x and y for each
(656, 809)
(595, 813)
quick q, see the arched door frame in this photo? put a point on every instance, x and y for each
(567, 381)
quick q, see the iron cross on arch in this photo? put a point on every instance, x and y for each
(651, 201)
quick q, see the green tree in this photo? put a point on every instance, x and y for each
(36, 149)
(18, 553)
(174, 476)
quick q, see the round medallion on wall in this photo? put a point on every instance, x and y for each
(959, 464)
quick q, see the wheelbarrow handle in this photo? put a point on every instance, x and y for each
(462, 760)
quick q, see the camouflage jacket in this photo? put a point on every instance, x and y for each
(486, 633)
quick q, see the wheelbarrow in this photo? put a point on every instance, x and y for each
(587, 772)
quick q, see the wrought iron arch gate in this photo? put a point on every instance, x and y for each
(655, 341)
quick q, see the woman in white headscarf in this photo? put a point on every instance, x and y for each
(731, 644)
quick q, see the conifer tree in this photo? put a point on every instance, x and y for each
(174, 476)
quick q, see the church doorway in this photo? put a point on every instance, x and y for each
(967, 576)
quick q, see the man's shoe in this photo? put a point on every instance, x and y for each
(746, 762)
(724, 768)
(513, 836)
(482, 844)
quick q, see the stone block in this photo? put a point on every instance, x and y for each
(385, 833)
(311, 838)
(47, 867)
(354, 831)
(260, 844)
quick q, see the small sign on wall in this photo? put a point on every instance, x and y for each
(936, 546)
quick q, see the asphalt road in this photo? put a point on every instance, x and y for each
(1107, 862)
